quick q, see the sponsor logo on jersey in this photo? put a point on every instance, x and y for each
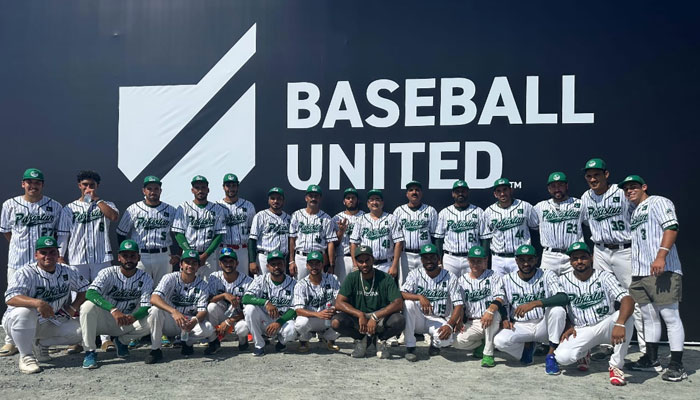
(507, 223)
(235, 219)
(52, 294)
(374, 234)
(150, 223)
(556, 216)
(33, 219)
(119, 294)
(638, 220)
(309, 229)
(413, 225)
(461, 226)
(432, 294)
(603, 213)
(201, 223)
(586, 300)
(83, 217)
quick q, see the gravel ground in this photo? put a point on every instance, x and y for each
(322, 374)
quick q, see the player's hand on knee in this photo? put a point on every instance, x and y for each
(507, 325)
(45, 309)
(326, 314)
(272, 311)
(371, 326)
(179, 319)
(524, 309)
(567, 333)
(272, 329)
(425, 305)
(486, 320)
(120, 317)
(618, 335)
(444, 332)
(363, 321)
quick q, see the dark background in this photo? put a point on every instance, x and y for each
(636, 67)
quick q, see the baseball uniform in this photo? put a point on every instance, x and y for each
(315, 298)
(312, 232)
(418, 227)
(344, 264)
(508, 228)
(200, 225)
(271, 231)
(238, 221)
(381, 234)
(460, 229)
(281, 296)
(478, 295)
(217, 311)
(560, 226)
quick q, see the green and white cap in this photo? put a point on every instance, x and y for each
(151, 179)
(199, 178)
(477, 252)
(129, 245)
(46, 242)
(189, 254)
(228, 252)
(314, 256)
(414, 183)
(525, 250)
(428, 249)
(595, 163)
(460, 184)
(375, 192)
(277, 190)
(351, 190)
(501, 182)
(314, 189)
(362, 249)
(230, 178)
(275, 254)
(33, 173)
(557, 177)
(578, 246)
(632, 178)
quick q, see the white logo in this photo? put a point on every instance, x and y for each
(557, 177)
(592, 163)
(48, 242)
(34, 174)
(477, 252)
(576, 246)
(127, 245)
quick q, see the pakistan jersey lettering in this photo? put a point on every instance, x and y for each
(271, 231)
(312, 231)
(559, 223)
(352, 222)
(649, 220)
(27, 222)
(442, 291)
(314, 297)
(592, 300)
(218, 285)
(418, 226)
(280, 295)
(126, 293)
(509, 228)
(89, 232)
(517, 291)
(148, 226)
(460, 229)
(187, 298)
(480, 292)
(199, 225)
(237, 220)
(608, 215)
(51, 287)
(380, 234)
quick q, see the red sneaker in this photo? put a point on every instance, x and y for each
(583, 363)
(617, 377)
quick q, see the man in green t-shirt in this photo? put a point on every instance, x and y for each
(369, 305)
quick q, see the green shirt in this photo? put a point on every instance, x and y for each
(372, 298)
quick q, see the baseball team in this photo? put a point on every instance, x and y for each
(464, 277)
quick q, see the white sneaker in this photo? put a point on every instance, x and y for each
(8, 349)
(360, 348)
(382, 349)
(41, 353)
(392, 341)
(29, 365)
(427, 338)
(401, 341)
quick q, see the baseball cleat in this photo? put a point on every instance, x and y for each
(383, 349)
(617, 377)
(280, 347)
(41, 353)
(603, 353)
(8, 349)
(433, 350)
(582, 364)
(122, 349)
(411, 354)
(154, 356)
(186, 350)
(90, 360)
(332, 346)
(213, 347)
(134, 343)
(243, 346)
(303, 347)
(393, 341)
(550, 365)
(479, 351)
(675, 372)
(644, 364)
(28, 365)
(74, 349)
(360, 348)
(528, 354)
(165, 342)
(259, 351)
(108, 345)
(488, 362)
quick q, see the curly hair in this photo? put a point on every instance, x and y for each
(87, 174)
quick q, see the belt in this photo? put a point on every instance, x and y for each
(615, 246)
(155, 251)
(302, 253)
(235, 246)
(554, 250)
(346, 255)
(509, 255)
(452, 253)
(415, 251)
(380, 261)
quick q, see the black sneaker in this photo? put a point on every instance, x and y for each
(411, 354)
(433, 351)
(186, 350)
(243, 346)
(644, 364)
(213, 347)
(154, 356)
(280, 347)
(674, 373)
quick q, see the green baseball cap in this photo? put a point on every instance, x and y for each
(595, 163)
(375, 192)
(314, 256)
(501, 182)
(428, 249)
(277, 190)
(151, 179)
(556, 177)
(525, 250)
(228, 252)
(129, 245)
(46, 242)
(275, 254)
(632, 178)
(314, 189)
(578, 246)
(477, 252)
(362, 249)
(351, 191)
(459, 184)
(230, 178)
(199, 178)
(33, 173)
(189, 254)
(414, 183)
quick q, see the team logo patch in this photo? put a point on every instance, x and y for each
(49, 242)
(576, 246)
(128, 245)
(34, 174)
(477, 252)
(166, 214)
(577, 205)
(520, 211)
(669, 211)
(65, 277)
(616, 199)
(556, 177)
(591, 164)
(49, 208)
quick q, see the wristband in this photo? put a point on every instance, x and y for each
(451, 327)
(110, 311)
(664, 248)
(292, 262)
(489, 311)
(266, 303)
(620, 325)
(99, 201)
(374, 317)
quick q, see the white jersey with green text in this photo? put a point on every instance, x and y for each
(187, 298)
(280, 295)
(271, 231)
(517, 291)
(238, 221)
(218, 285)
(380, 234)
(352, 222)
(591, 301)
(89, 232)
(460, 229)
(315, 297)
(608, 215)
(480, 292)
(418, 225)
(509, 228)
(127, 294)
(148, 226)
(559, 223)
(199, 224)
(649, 220)
(442, 291)
(311, 231)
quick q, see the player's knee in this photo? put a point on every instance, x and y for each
(335, 322)
(502, 340)
(241, 328)
(249, 310)
(211, 308)
(565, 356)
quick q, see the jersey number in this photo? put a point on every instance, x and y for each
(520, 235)
(644, 234)
(602, 311)
(385, 243)
(101, 227)
(441, 309)
(471, 238)
(572, 228)
(618, 225)
(210, 234)
(163, 236)
(47, 231)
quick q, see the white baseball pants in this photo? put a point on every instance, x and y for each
(474, 334)
(417, 322)
(217, 315)
(343, 267)
(23, 326)
(258, 320)
(384, 267)
(556, 262)
(90, 271)
(302, 271)
(95, 320)
(156, 265)
(409, 261)
(10, 275)
(503, 265)
(512, 341)
(306, 326)
(457, 266)
(162, 323)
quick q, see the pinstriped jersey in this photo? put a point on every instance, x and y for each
(187, 298)
(314, 297)
(28, 222)
(89, 232)
(218, 284)
(591, 301)
(418, 226)
(125, 293)
(480, 292)
(380, 234)
(352, 221)
(608, 215)
(51, 287)
(271, 231)
(237, 221)
(517, 291)
(509, 228)
(199, 225)
(442, 291)
(312, 231)
(559, 223)
(281, 296)
(460, 229)
(648, 222)
(148, 226)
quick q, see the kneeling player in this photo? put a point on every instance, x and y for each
(430, 295)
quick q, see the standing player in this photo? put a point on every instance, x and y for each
(460, 226)
(345, 221)
(199, 226)
(381, 232)
(656, 275)
(507, 226)
(148, 223)
(119, 299)
(431, 295)
(237, 221)
(25, 219)
(310, 229)
(269, 232)
(418, 222)
(559, 222)
(39, 308)
(313, 301)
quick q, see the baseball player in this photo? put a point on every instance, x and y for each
(460, 226)
(238, 221)
(345, 222)
(527, 292)
(310, 229)
(268, 302)
(180, 307)
(119, 299)
(24, 219)
(656, 275)
(507, 226)
(483, 306)
(225, 308)
(199, 225)
(39, 307)
(559, 222)
(148, 223)
(431, 295)
(269, 231)
(418, 222)
(591, 296)
(313, 301)
(380, 231)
